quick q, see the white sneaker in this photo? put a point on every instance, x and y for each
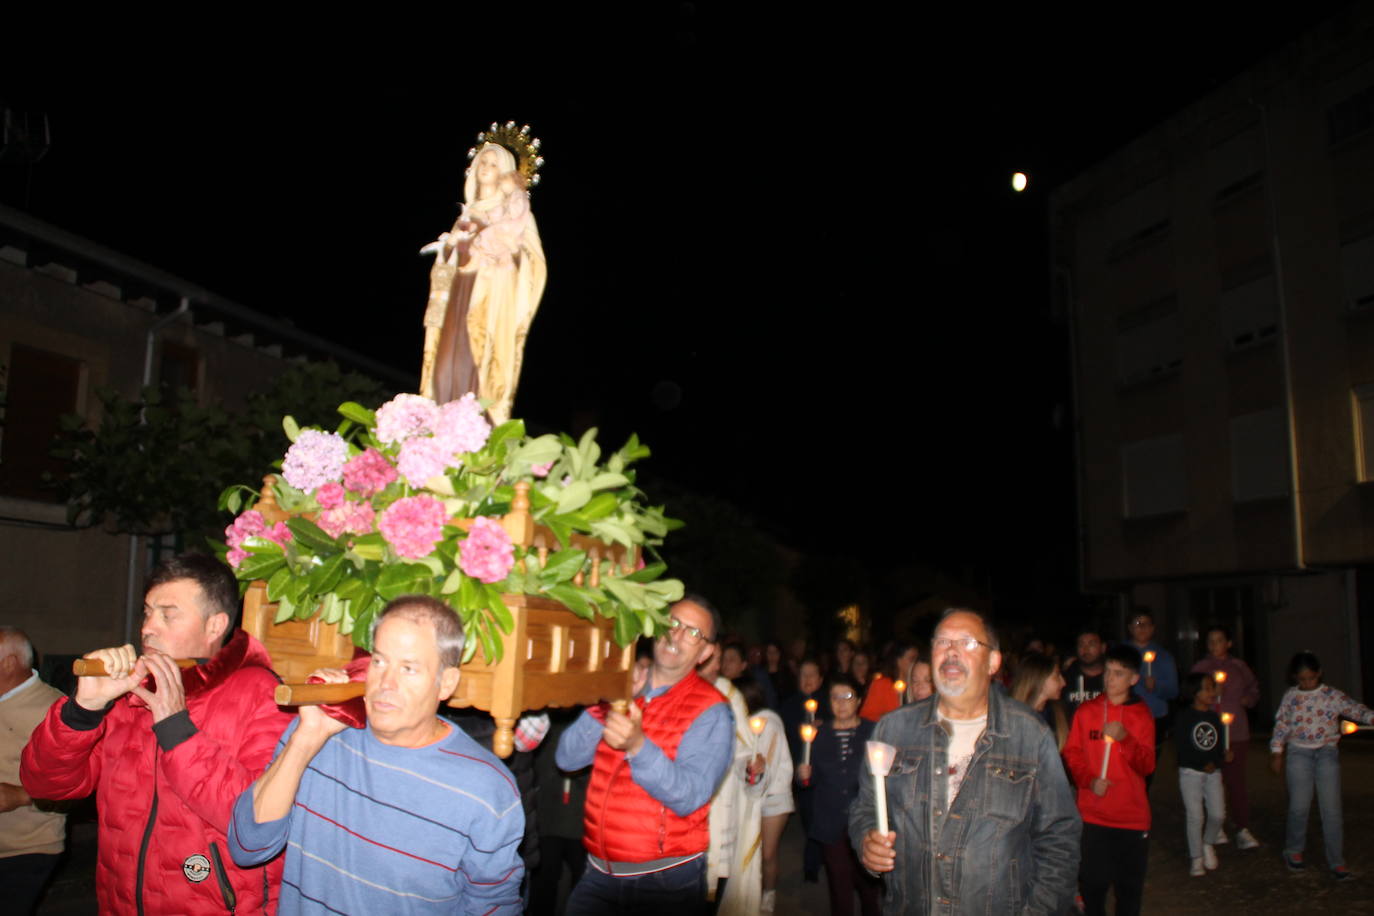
(1246, 840)
(1221, 838)
(1209, 857)
(768, 901)
(1197, 871)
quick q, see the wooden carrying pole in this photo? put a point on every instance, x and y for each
(317, 694)
(94, 667)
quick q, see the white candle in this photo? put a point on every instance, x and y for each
(810, 710)
(808, 733)
(1106, 754)
(756, 726)
(880, 757)
(1149, 663)
(1226, 718)
(1080, 688)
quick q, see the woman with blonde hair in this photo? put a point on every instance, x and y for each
(1038, 684)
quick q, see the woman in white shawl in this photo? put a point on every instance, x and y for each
(488, 276)
(753, 882)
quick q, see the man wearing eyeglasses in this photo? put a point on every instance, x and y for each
(654, 770)
(982, 816)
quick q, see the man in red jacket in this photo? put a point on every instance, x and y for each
(168, 751)
(1110, 751)
(654, 770)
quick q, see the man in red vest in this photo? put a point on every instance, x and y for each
(654, 771)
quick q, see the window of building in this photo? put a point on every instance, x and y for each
(1250, 313)
(1353, 116)
(180, 368)
(1357, 268)
(1235, 163)
(1140, 215)
(1149, 342)
(1362, 400)
(42, 386)
(1154, 477)
(1259, 455)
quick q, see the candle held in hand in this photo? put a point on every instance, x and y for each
(1149, 663)
(880, 758)
(808, 733)
(1226, 719)
(1106, 754)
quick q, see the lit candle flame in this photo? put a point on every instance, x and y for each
(1349, 727)
(756, 725)
(899, 686)
(811, 705)
(1149, 657)
(808, 733)
(1227, 718)
(1220, 677)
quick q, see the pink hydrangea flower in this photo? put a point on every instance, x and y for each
(413, 525)
(404, 416)
(248, 523)
(486, 553)
(421, 459)
(315, 458)
(541, 470)
(461, 426)
(252, 524)
(368, 473)
(350, 517)
(330, 495)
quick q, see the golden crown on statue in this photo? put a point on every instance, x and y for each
(524, 147)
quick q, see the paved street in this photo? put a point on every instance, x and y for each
(1247, 881)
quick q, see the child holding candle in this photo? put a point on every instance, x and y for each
(1238, 690)
(1201, 753)
(1114, 807)
(1308, 723)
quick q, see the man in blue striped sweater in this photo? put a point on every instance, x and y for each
(407, 815)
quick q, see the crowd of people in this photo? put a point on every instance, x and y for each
(1010, 780)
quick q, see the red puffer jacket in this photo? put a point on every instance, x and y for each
(163, 813)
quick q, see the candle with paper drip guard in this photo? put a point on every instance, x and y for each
(1106, 754)
(808, 733)
(880, 758)
(1226, 720)
(1149, 663)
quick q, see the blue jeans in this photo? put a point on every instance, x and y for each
(1320, 766)
(1201, 790)
(677, 891)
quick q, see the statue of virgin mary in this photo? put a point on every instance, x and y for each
(485, 286)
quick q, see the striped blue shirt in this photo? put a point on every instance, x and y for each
(382, 829)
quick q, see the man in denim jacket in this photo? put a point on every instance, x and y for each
(983, 816)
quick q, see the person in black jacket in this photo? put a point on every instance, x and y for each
(836, 761)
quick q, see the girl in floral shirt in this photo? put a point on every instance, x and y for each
(1308, 722)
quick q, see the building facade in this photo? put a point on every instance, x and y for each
(76, 316)
(1219, 276)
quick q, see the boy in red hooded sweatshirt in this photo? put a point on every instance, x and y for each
(1110, 751)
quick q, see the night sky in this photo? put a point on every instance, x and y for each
(782, 247)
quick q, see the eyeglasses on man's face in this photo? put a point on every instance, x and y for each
(690, 633)
(964, 643)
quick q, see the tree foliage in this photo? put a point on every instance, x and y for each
(154, 464)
